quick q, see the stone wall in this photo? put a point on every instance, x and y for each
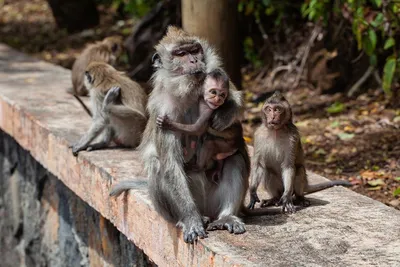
(43, 223)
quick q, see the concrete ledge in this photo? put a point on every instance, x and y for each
(341, 228)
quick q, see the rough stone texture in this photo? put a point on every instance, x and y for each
(43, 223)
(341, 228)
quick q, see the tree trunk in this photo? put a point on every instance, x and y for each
(74, 15)
(217, 22)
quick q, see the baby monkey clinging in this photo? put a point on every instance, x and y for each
(217, 145)
(278, 158)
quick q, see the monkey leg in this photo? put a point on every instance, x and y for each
(95, 129)
(288, 175)
(228, 197)
(107, 136)
(300, 183)
(171, 196)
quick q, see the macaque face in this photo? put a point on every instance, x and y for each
(215, 93)
(275, 116)
(188, 59)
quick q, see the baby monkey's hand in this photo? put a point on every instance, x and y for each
(163, 122)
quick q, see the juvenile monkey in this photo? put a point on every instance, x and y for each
(106, 51)
(278, 159)
(118, 107)
(216, 145)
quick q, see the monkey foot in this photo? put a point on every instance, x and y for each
(76, 149)
(192, 231)
(206, 220)
(269, 202)
(230, 223)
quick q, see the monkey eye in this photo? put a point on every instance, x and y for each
(269, 109)
(223, 95)
(213, 92)
(278, 109)
(195, 51)
(180, 53)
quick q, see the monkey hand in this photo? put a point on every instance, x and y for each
(163, 122)
(111, 96)
(76, 148)
(253, 200)
(287, 204)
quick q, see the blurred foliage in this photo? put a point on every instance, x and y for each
(136, 8)
(375, 26)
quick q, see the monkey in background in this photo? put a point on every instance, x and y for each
(106, 51)
(216, 145)
(118, 106)
(278, 159)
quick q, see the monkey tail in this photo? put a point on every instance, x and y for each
(83, 105)
(122, 186)
(261, 211)
(321, 186)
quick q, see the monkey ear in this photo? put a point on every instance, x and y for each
(156, 60)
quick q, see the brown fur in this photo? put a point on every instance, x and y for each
(118, 106)
(106, 51)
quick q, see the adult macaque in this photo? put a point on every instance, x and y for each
(278, 159)
(216, 145)
(106, 51)
(182, 60)
(118, 106)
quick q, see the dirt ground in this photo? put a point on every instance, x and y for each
(359, 140)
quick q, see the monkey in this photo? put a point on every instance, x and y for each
(106, 51)
(278, 159)
(118, 106)
(218, 145)
(183, 196)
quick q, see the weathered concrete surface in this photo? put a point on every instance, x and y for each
(341, 228)
(43, 223)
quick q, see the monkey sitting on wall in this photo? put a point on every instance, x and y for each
(217, 145)
(119, 108)
(106, 51)
(278, 159)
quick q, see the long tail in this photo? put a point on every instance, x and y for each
(321, 186)
(261, 211)
(83, 105)
(123, 186)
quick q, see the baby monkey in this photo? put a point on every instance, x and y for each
(217, 145)
(278, 159)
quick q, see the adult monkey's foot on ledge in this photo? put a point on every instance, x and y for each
(192, 230)
(231, 223)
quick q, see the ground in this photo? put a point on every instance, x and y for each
(358, 139)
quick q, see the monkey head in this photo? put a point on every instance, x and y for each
(276, 111)
(180, 53)
(115, 45)
(216, 88)
(98, 74)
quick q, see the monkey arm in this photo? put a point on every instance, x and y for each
(197, 129)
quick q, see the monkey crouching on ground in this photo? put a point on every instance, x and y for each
(106, 51)
(118, 106)
(278, 159)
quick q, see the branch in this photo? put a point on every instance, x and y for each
(310, 43)
(363, 78)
